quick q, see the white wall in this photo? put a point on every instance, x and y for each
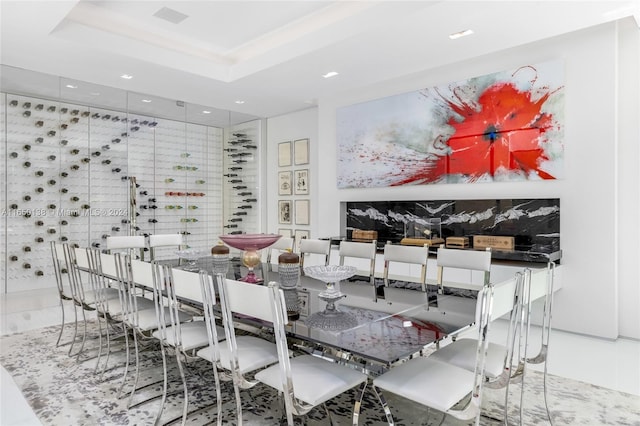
(288, 128)
(600, 170)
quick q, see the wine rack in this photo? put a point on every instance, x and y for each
(68, 176)
(241, 179)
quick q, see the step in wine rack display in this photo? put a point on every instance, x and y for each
(71, 171)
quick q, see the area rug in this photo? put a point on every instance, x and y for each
(63, 391)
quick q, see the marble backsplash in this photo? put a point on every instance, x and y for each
(534, 223)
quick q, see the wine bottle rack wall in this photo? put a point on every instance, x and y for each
(241, 179)
(68, 174)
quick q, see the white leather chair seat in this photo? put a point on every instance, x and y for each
(462, 353)
(107, 294)
(115, 306)
(315, 380)
(194, 335)
(148, 320)
(427, 381)
(253, 353)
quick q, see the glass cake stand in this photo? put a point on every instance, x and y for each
(331, 318)
(191, 256)
(250, 244)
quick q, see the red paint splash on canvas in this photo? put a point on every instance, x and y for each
(503, 130)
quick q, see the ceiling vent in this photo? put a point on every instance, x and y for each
(170, 15)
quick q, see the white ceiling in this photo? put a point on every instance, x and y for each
(272, 54)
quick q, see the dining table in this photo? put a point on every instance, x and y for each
(379, 333)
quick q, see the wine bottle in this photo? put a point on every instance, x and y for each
(74, 151)
(39, 273)
(86, 160)
(117, 170)
(95, 245)
(200, 181)
(85, 206)
(13, 155)
(39, 123)
(231, 226)
(27, 147)
(13, 258)
(64, 142)
(107, 161)
(26, 249)
(96, 154)
(39, 240)
(63, 222)
(39, 140)
(106, 147)
(51, 206)
(27, 197)
(39, 107)
(64, 174)
(13, 103)
(63, 238)
(105, 236)
(144, 192)
(26, 265)
(39, 223)
(26, 114)
(74, 199)
(51, 133)
(74, 167)
(51, 182)
(26, 164)
(115, 228)
(39, 190)
(153, 220)
(51, 158)
(13, 207)
(39, 173)
(64, 190)
(51, 231)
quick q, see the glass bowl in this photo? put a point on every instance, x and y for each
(250, 241)
(330, 273)
(191, 256)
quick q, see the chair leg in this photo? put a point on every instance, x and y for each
(84, 334)
(75, 332)
(185, 404)
(164, 385)
(95, 370)
(358, 405)
(62, 325)
(385, 406)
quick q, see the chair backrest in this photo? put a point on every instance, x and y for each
(164, 288)
(469, 260)
(283, 244)
(99, 282)
(357, 250)
(318, 247)
(80, 260)
(164, 240)
(394, 253)
(142, 273)
(75, 279)
(124, 243)
(60, 268)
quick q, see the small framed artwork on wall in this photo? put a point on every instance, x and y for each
(301, 181)
(284, 212)
(284, 154)
(301, 151)
(284, 183)
(285, 232)
(301, 234)
(302, 212)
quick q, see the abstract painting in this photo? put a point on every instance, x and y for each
(506, 126)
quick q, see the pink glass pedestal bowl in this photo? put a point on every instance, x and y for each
(250, 244)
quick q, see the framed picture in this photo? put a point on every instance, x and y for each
(301, 151)
(284, 212)
(301, 181)
(284, 183)
(303, 303)
(285, 232)
(284, 154)
(302, 212)
(300, 234)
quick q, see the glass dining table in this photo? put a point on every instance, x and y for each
(381, 334)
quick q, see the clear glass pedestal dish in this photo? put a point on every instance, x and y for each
(191, 256)
(331, 318)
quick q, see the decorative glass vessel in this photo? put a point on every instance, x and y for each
(331, 318)
(191, 256)
(289, 272)
(250, 244)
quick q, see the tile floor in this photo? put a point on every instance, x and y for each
(610, 364)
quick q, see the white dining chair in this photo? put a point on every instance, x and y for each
(313, 248)
(164, 240)
(183, 339)
(283, 244)
(441, 385)
(462, 264)
(304, 381)
(405, 255)
(354, 253)
(239, 355)
(61, 271)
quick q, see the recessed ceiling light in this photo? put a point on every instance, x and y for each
(330, 74)
(71, 86)
(146, 101)
(206, 112)
(126, 76)
(460, 34)
(239, 102)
